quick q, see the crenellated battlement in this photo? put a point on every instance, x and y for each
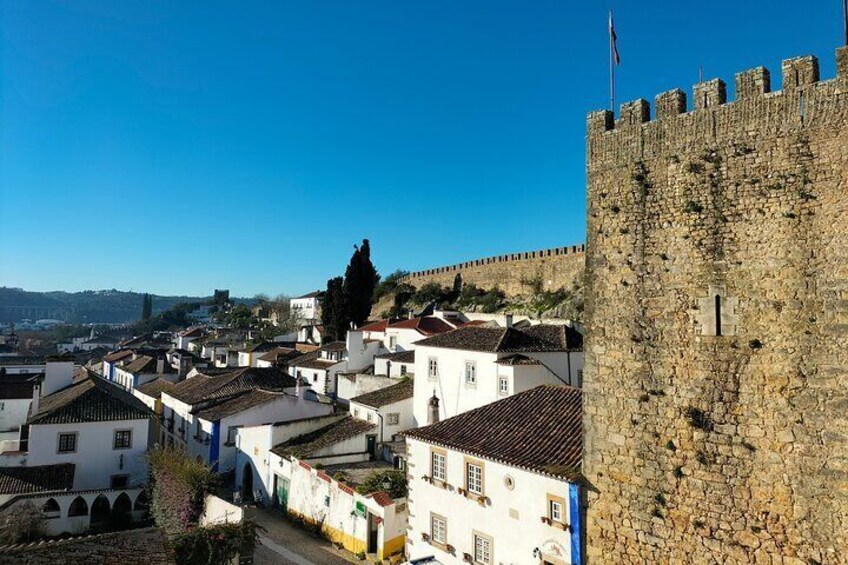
(753, 88)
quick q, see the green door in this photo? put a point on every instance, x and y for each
(282, 493)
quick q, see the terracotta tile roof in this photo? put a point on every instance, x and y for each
(540, 430)
(517, 359)
(378, 326)
(141, 364)
(280, 354)
(428, 325)
(382, 498)
(156, 387)
(312, 360)
(40, 478)
(211, 385)
(334, 346)
(192, 332)
(399, 356)
(118, 355)
(542, 337)
(143, 546)
(236, 404)
(263, 347)
(21, 360)
(90, 400)
(388, 395)
(315, 294)
(15, 391)
(337, 432)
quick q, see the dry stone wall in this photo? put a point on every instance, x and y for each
(557, 267)
(717, 306)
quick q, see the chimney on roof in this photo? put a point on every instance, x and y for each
(411, 315)
(160, 365)
(508, 320)
(433, 410)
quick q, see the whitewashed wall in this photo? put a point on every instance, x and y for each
(95, 459)
(513, 517)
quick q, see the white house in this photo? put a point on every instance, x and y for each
(308, 306)
(98, 427)
(398, 364)
(321, 368)
(141, 370)
(21, 379)
(187, 336)
(203, 413)
(259, 473)
(401, 335)
(372, 523)
(249, 356)
(475, 365)
(390, 408)
(497, 484)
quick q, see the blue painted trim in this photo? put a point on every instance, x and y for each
(576, 523)
(214, 445)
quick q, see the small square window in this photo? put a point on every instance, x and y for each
(555, 511)
(120, 481)
(393, 419)
(503, 385)
(123, 439)
(67, 443)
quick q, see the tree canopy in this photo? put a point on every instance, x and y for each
(360, 280)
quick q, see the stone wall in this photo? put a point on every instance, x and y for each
(558, 267)
(717, 307)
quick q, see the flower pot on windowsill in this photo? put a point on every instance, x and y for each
(450, 549)
(466, 557)
(461, 491)
(425, 537)
(546, 520)
(483, 500)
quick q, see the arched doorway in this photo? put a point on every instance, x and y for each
(247, 483)
(79, 507)
(142, 503)
(121, 512)
(100, 512)
(51, 508)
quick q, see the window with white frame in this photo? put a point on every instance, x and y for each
(231, 435)
(438, 529)
(123, 439)
(393, 419)
(470, 373)
(503, 385)
(368, 416)
(555, 510)
(432, 368)
(392, 342)
(438, 466)
(482, 549)
(474, 478)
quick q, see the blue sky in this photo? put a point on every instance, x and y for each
(178, 147)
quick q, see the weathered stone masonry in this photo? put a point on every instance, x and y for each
(558, 267)
(717, 306)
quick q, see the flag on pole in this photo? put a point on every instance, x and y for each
(614, 41)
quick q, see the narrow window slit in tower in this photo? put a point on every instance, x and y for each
(718, 314)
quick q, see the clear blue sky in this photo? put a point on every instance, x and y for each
(178, 147)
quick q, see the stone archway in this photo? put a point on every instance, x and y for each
(79, 507)
(121, 515)
(100, 512)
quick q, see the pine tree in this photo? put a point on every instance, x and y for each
(334, 311)
(360, 280)
(146, 307)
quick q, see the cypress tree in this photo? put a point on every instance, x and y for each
(360, 280)
(146, 307)
(334, 311)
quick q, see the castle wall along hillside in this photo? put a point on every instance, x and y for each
(558, 268)
(717, 307)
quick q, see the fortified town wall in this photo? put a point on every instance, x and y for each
(558, 267)
(717, 305)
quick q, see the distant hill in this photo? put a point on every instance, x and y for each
(90, 306)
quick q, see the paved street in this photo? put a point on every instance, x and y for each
(282, 543)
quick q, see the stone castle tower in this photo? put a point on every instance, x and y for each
(717, 301)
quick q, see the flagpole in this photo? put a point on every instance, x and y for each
(612, 63)
(845, 19)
